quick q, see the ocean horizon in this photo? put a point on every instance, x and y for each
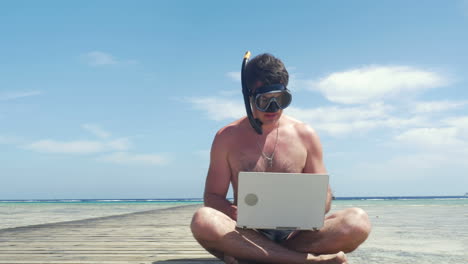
(25, 212)
(195, 200)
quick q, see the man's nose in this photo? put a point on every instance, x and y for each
(273, 107)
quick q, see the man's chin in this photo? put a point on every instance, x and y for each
(269, 118)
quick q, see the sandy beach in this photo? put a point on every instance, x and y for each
(402, 233)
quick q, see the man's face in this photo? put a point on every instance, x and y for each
(266, 117)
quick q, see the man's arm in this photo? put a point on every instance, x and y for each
(219, 177)
(314, 161)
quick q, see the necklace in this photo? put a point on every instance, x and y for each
(269, 159)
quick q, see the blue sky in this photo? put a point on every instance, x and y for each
(121, 99)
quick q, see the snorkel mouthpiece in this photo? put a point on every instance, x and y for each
(255, 123)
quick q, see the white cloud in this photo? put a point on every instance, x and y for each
(431, 137)
(436, 106)
(339, 121)
(450, 138)
(77, 147)
(460, 121)
(99, 58)
(96, 130)
(218, 108)
(119, 144)
(5, 96)
(365, 86)
(461, 125)
(235, 76)
(332, 120)
(338, 113)
(373, 83)
(135, 159)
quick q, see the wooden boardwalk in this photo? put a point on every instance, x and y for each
(156, 237)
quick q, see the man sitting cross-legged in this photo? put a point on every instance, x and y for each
(286, 145)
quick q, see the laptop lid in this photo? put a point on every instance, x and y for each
(289, 201)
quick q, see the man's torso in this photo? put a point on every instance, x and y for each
(244, 154)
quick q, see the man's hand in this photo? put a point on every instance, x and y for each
(339, 258)
(221, 204)
(233, 213)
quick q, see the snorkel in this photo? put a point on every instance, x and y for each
(254, 122)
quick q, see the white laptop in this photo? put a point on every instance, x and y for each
(288, 201)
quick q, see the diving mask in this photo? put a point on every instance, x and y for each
(271, 98)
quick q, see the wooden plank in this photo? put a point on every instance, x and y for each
(158, 236)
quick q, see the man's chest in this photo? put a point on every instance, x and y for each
(287, 157)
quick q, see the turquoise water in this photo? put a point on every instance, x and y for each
(16, 213)
(404, 202)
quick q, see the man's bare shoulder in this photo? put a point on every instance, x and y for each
(229, 132)
(304, 132)
(301, 128)
(231, 128)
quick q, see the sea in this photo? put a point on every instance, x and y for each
(20, 213)
(426, 230)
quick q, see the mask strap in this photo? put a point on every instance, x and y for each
(270, 88)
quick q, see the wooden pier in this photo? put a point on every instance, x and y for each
(156, 237)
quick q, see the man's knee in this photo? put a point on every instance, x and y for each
(201, 223)
(359, 220)
(356, 228)
(204, 225)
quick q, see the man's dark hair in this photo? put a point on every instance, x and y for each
(267, 69)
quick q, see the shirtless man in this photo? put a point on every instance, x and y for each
(286, 145)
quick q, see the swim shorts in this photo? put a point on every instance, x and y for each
(277, 236)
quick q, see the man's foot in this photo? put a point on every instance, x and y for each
(232, 260)
(339, 258)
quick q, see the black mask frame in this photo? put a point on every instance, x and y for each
(273, 105)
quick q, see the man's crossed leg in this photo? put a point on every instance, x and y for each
(343, 232)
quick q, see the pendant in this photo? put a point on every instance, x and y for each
(270, 162)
